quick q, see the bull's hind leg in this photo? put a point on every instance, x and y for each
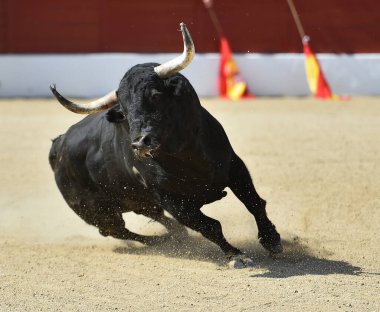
(242, 186)
(114, 225)
(110, 222)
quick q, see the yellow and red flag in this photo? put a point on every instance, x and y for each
(231, 83)
(315, 77)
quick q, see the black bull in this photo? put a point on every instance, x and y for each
(156, 149)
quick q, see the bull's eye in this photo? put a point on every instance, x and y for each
(155, 95)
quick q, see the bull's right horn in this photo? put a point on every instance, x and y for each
(174, 66)
(98, 105)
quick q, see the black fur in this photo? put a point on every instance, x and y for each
(191, 163)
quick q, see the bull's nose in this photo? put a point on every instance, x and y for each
(143, 142)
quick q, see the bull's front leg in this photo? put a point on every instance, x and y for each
(242, 186)
(190, 215)
(172, 225)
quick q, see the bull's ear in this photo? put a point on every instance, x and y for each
(115, 114)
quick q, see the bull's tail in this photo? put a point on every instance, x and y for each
(54, 151)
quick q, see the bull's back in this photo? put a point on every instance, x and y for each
(54, 150)
(71, 148)
(71, 151)
(88, 156)
(68, 156)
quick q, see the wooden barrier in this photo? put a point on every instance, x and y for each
(72, 26)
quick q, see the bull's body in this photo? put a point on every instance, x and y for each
(102, 172)
(95, 163)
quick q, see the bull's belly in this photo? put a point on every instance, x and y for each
(111, 187)
(121, 197)
(159, 195)
(193, 190)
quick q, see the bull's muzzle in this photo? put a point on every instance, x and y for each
(143, 146)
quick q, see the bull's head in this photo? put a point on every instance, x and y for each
(150, 98)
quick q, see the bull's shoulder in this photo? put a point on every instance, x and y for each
(213, 136)
(210, 122)
(89, 127)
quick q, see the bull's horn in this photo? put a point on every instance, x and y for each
(98, 105)
(173, 66)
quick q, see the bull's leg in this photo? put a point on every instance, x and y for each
(114, 225)
(172, 225)
(210, 228)
(109, 221)
(242, 186)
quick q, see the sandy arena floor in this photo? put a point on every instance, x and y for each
(316, 163)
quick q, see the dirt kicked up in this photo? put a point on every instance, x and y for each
(316, 163)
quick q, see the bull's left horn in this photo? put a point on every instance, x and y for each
(173, 66)
(98, 105)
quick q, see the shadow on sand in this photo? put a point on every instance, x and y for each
(297, 260)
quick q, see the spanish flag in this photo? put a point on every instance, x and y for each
(315, 78)
(231, 83)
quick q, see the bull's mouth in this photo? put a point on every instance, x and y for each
(144, 146)
(145, 152)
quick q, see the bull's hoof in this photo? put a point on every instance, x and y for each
(275, 250)
(240, 262)
(271, 241)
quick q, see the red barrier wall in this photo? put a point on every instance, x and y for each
(71, 26)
